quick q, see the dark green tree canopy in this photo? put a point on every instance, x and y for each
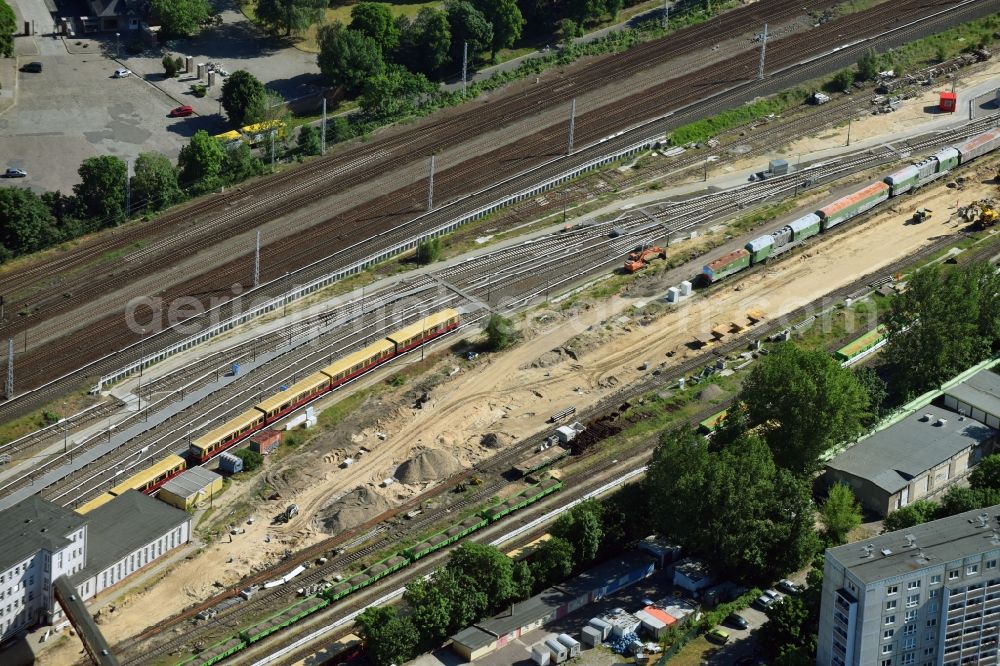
(348, 58)
(552, 561)
(468, 25)
(507, 22)
(8, 26)
(394, 93)
(500, 332)
(389, 638)
(804, 402)
(154, 183)
(101, 194)
(374, 20)
(841, 513)
(201, 162)
(426, 41)
(244, 98)
(290, 16)
(583, 528)
(180, 18)
(26, 223)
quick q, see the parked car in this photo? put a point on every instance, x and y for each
(32, 67)
(738, 621)
(181, 112)
(13, 172)
(763, 602)
(772, 593)
(788, 586)
(122, 73)
(718, 635)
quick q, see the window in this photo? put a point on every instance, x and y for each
(912, 600)
(887, 648)
(909, 630)
(928, 651)
(972, 570)
(909, 658)
(913, 585)
(934, 593)
(891, 590)
(953, 574)
(991, 564)
(909, 643)
(936, 579)
(910, 616)
(890, 605)
(890, 619)
(885, 662)
(887, 634)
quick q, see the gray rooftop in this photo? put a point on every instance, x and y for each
(981, 390)
(893, 457)
(474, 638)
(32, 525)
(190, 482)
(122, 526)
(935, 543)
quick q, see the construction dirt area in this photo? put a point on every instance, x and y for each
(573, 354)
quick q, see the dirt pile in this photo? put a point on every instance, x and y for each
(550, 358)
(428, 465)
(710, 393)
(495, 440)
(354, 508)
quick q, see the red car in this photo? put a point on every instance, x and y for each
(181, 112)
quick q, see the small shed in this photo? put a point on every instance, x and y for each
(265, 442)
(190, 488)
(655, 621)
(230, 464)
(948, 103)
(778, 167)
(692, 574)
(591, 636)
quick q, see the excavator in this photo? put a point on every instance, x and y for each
(642, 256)
(982, 214)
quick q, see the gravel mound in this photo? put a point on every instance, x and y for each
(495, 440)
(711, 392)
(428, 465)
(354, 508)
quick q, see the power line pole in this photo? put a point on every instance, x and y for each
(666, 15)
(430, 188)
(256, 263)
(128, 190)
(572, 126)
(322, 131)
(9, 390)
(465, 65)
(763, 50)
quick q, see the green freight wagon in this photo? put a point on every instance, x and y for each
(215, 653)
(707, 426)
(522, 499)
(860, 345)
(727, 264)
(853, 204)
(282, 619)
(382, 569)
(446, 537)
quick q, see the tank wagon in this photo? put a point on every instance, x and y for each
(906, 179)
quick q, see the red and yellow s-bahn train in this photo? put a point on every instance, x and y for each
(264, 413)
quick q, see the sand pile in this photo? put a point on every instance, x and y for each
(428, 465)
(495, 440)
(354, 508)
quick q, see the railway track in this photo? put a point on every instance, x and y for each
(309, 246)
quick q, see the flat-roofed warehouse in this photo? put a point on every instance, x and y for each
(189, 489)
(978, 397)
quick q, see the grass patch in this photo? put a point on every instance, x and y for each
(943, 45)
(702, 130)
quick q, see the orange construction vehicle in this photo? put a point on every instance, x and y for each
(637, 260)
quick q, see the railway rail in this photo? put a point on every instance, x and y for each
(311, 245)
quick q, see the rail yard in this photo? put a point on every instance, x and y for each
(425, 439)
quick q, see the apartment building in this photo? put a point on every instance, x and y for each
(925, 596)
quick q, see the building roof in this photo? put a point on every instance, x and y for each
(109, 8)
(32, 525)
(474, 638)
(893, 457)
(693, 568)
(981, 390)
(189, 483)
(122, 526)
(935, 543)
(659, 614)
(605, 574)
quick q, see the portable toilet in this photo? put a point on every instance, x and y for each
(591, 636)
(230, 464)
(557, 649)
(540, 655)
(948, 103)
(572, 645)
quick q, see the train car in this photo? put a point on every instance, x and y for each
(446, 537)
(855, 348)
(216, 653)
(297, 394)
(726, 265)
(216, 441)
(258, 133)
(282, 619)
(947, 159)
(151, 478)
(853, 204)
(100, 500)
(804, 227)
(707, 427)
(380, 570)
(528, 549)
(760, 248)
(425, 329)
(903, 180)
(359, 362)
(230, 139)
(529, 495)
(978, 145)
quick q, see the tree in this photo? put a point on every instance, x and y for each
(244, 98)
(101, 192)
(582, 527)
(425, 42)
(959, 500)
(878, 392)
(500, 333)
(568, 29)
(348, 58)
(394, 93)
(432, 609)
(290, 16)
(201, 162)
(339, 129)
(552, 561)
(804, 402)
(841, 513)
(239, 164)
(942, 324)
(389, 639)
(170, 67)
(251, 459)
(868, 66)
(986, 474)
(786, 626)
(485, 568)
(180, 18)
(753, 518)
(26, 223)
(374, 20)
(524, 580)
(154, 185)
(428, 251)
(309, 141)
(469, 26)
(842, 81)
(912, 514)
(507, 22)
(8, 26)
